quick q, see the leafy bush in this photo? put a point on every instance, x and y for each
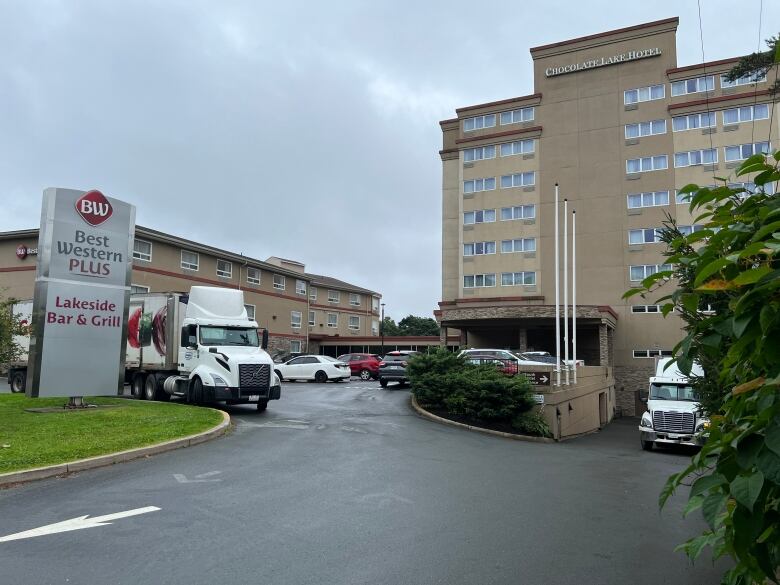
(532, 423)
(445, 381)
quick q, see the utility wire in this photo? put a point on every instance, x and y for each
(707, 91)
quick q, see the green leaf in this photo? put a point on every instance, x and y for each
(694, 546)
(766, 317)
(741, 323)
(765, 231)
(752, 275)
(631, 292)
(690, 301)
(712, 506)
(693, 504)
(747, 450)
(746, 488)
(769, 464)
(712, 340)
(772, 438)
(705, 483)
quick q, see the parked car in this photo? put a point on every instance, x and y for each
(544, 356)
(508, 367)
(502, 354)
(365, 365)
(392, 368)
(319, 368)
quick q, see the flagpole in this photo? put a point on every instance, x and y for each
(557, 299)
(566, 289)
(574, 291)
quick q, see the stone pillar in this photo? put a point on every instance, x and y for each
(603, 345)
(443, 336)
(522, 340)
(464, 338)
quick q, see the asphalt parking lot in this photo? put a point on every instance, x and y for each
(344, 483)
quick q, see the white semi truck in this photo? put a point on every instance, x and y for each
(673, 415)
(199, 346)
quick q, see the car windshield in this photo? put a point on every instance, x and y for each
(244, 336)
(327, 358)
(671, 392)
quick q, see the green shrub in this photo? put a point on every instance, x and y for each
(532, 423)
(442, 380)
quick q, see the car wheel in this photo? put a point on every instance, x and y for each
(196, 392)
(646, 445)
(18, 382)
(279, 375)
(320, 377)
(137, 387)
(262, 405)
(365, 374)
(150, 387)
(383, 383)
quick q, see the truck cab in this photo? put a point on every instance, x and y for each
(673, 415)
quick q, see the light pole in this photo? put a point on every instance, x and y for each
(382, 329)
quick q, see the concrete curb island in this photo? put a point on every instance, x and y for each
(445, 421)
(26, 475)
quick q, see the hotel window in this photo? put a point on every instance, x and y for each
(645, 128)
(295, 346)
(334, 296)
(253, 275)
(354, 322)
(189, 260)
(300, 287)
(519, 245)
(518, 180)
(644, 94)
(333, 320)
(224, 269)
(650, 199)
(138, 289)
(646, 309)
(481, 216)
(312, 318)
(142, 250)
(279, 281)
(639, 272)
(687, 230)
(375, 304)
(518, 278)
(518, 147)
(743, 151)
(517, 116)
(479, 122)
(354, 299)
(745, 80)
(519, 212)
(479, 280)
(693, 121)
(651, 353)
(476, 185)
(692, 158)
(312, 293)
(479, 248)
(295, 319)
(479, 153)
(375, 327)
(745, 114)
(648, 163)
(250, 312)
(643, 236)
(695, 85)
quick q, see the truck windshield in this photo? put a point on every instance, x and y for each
(211, 335)
(671, 392)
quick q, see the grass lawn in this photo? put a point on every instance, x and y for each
(31, 439)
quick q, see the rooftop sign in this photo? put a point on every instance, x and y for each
(603, 62)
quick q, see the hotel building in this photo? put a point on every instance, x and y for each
(620, 126)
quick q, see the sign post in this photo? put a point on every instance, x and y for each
(82, 291)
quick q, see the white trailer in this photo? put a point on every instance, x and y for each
(199, 346)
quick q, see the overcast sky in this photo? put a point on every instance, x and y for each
(307, 130)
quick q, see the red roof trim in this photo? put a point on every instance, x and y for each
(675, 20)
(701, 65)
(17, 268)
(490, 300)
(450, 121)
(607, 309)
(498, 103)
(499, 134)
(723, 98)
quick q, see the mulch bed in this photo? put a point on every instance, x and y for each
(501, 426)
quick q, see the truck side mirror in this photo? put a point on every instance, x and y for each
(265, 339)
(192, 341)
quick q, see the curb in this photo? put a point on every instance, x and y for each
(445, 421)
(26, 475)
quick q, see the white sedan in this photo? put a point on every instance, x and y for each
(319, 368)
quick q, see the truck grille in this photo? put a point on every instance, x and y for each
(254, 375)
(675, 422)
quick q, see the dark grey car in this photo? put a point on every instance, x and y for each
(392, 368)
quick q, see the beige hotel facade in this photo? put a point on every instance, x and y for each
(620, 126)
(303, 312)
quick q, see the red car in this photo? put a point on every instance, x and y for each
(365, 365)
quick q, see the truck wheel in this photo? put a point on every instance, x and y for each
(383, 383)
(151, 390)
(365, 374)
(646, 445)
(196, 392)
(18, 382)
(137, 387)
(320, 377)
(262, 405)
